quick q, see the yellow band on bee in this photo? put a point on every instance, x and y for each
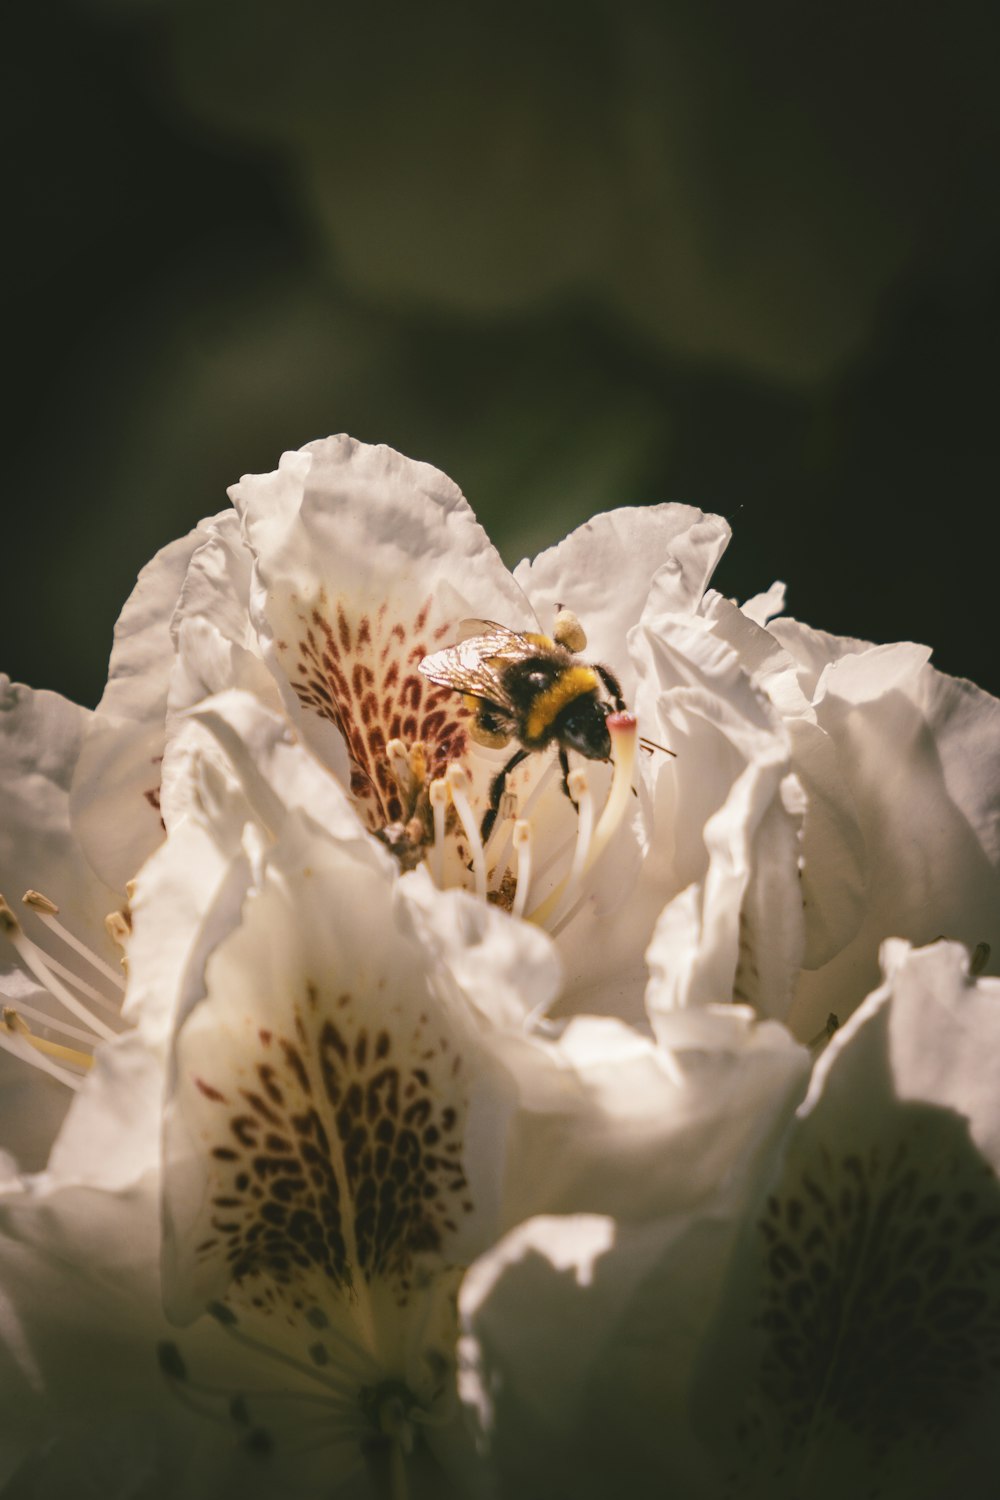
(574, 682)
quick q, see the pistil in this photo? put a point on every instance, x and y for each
(560, 904)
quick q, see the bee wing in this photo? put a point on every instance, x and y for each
(493, 640)
(467, 666)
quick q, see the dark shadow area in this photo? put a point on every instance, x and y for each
(575, 258)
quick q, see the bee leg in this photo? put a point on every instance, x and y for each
(613, 686)
(564, 767)
(496, 793)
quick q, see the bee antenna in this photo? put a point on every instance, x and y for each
(651, 745)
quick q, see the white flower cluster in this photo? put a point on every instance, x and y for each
(642, 1139)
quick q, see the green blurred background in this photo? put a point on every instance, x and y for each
(576, 255)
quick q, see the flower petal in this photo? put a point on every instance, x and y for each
(604, 569)
(859, 1340)
(116, 789)
(365, 562)
(918, 754)
(216, 644)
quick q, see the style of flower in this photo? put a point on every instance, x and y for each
(827, 1321)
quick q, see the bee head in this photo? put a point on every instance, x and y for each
(583, 727)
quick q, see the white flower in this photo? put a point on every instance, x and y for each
(368, 1040)
(61, 977)
(899, 767)
(828, 1322)
(349, 565)
(356, 1108)
(81, 800)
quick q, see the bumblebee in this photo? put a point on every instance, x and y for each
(530, 688)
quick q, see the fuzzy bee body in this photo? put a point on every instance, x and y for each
(527, 688)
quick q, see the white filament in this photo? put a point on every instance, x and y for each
(439, 805)
(458, 782)
(522, 847)
(46, 913)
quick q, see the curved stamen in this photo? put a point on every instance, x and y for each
(399, 765)
(365, 1365)
(35, 960)
(46, 910)
(565, 892)
(51, 1023)
(13, 1041)
(579, 789)
(522, 848)
(458, 782)
(111, 1007)
(438, 794)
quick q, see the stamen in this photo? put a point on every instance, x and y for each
(579, 789)
(34, 1014)
(438, 794)
(112, 1007)
(364, 1364)
(498, 853)
(522, 848)
(399, 764)
(14, 1023)
(46, 910)
(458, 781)
(565, 893)
(117, 927)
(13, 1041)
(35, 961)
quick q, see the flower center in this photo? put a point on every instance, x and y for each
(514, 859)
(42, 1036)
(391, 684)
(313, 1408)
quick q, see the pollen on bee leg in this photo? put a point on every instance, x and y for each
(567, 631)
(522, 848)
(458, 783)
(438, 795)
